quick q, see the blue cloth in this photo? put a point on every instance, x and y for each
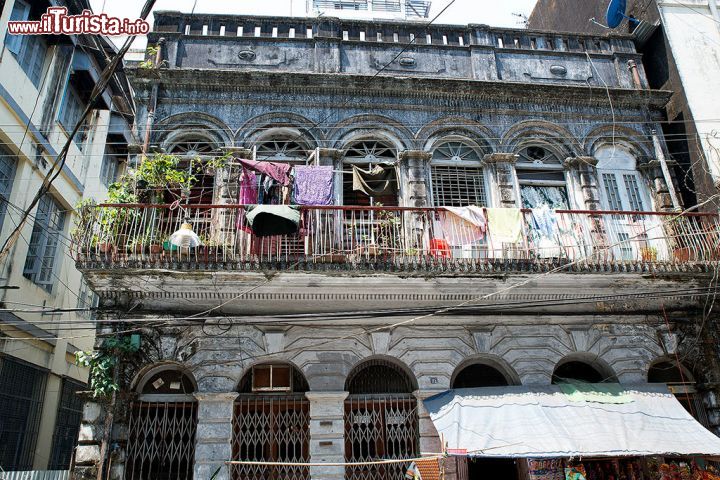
(544, 221)
(313, 185)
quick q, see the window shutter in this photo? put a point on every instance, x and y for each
(20, 13)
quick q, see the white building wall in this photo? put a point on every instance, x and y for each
(694, 37)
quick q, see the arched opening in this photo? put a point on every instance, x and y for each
(281, 147)
(381, 420)
(381, 187)
(161, 426)
(681, 383)
(541, 177)
(193, 151)
(623, 189)
(271, 421)
(478, 375)
(575, 370)
(457, 178)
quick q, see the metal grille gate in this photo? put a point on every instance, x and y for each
(271, 429)
(161, 441)
(380, 427)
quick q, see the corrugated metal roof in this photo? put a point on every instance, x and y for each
(543, 422)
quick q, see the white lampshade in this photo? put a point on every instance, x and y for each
(185, 237)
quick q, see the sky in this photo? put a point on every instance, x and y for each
(489, 12)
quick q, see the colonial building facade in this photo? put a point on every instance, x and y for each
(319, 346)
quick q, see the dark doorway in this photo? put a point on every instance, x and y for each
(475, 376)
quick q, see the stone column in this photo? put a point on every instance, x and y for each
(501, 170)
(413, 174)
(332, 157)
(213, 438)
(583, 178)
(87, 452)
(327, 433)
(226, 193)
(429, 437)
(652, 172)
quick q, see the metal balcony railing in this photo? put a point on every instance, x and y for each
(348, 237)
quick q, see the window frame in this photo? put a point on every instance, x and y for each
(68, 124)
(527, 164)
(48, 228)
(33, 64)
(6, 181)
(475, 163)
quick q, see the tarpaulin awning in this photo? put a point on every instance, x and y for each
(545, 422)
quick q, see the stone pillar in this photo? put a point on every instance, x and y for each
(652, 172)
(213, 438)
(226, 193)
(327, 433)
(501, 170)
(413, 174)
(332, 157)
(583, 178)
(87, 452)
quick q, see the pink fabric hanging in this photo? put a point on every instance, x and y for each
(280, 172)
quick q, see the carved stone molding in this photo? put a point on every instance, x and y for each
(579, 162)
(494, 158)
(415, 155)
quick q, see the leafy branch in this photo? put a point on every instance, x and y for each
(103, 362)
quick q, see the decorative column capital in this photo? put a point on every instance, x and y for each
(326, 396)
(415, 155)
(239, 152)
(221, 397)
(582, 161)
(655, 163)
(334, 153)
(500, 157)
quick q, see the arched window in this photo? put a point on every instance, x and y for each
(271, 423)
(192, 147)
(480, 375)
(192, 150)
(541, 178)
(367, 155)
(621, 185)
(281, 148)
(582, 367)
(161, 427)
(456, 175)
(681, 383)
(381, 420)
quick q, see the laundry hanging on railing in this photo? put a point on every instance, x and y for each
(248, 184)
(380, 180)
(504, 225)
(276, 170)
(313, 185)
(464, 226)
(267, 220)
(544, 221)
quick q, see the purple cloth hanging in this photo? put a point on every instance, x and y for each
(313, 185)
(278, 171)
(248, 195)
(248, 188)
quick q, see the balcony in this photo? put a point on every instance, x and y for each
(392, 239)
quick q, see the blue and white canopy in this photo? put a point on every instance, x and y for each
(547, 422)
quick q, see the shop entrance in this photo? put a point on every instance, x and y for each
(474, 376)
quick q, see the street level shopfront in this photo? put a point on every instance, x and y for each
(577, 431)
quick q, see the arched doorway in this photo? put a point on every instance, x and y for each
(381, 420)
(271, 421)
(477, 375)
(682, 384)
(161, 426)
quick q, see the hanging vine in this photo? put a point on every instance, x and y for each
(102, 362)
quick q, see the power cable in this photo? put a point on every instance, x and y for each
(56, 168)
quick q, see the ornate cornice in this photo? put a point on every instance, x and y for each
(580, 161)
(492, 158)
(415, 155)
(338, 84)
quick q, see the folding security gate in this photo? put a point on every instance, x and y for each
(161, 441)
(380, 427)
(271, 428)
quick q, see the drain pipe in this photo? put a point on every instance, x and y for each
(632, 66)
(152, 104)
(665, 171)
